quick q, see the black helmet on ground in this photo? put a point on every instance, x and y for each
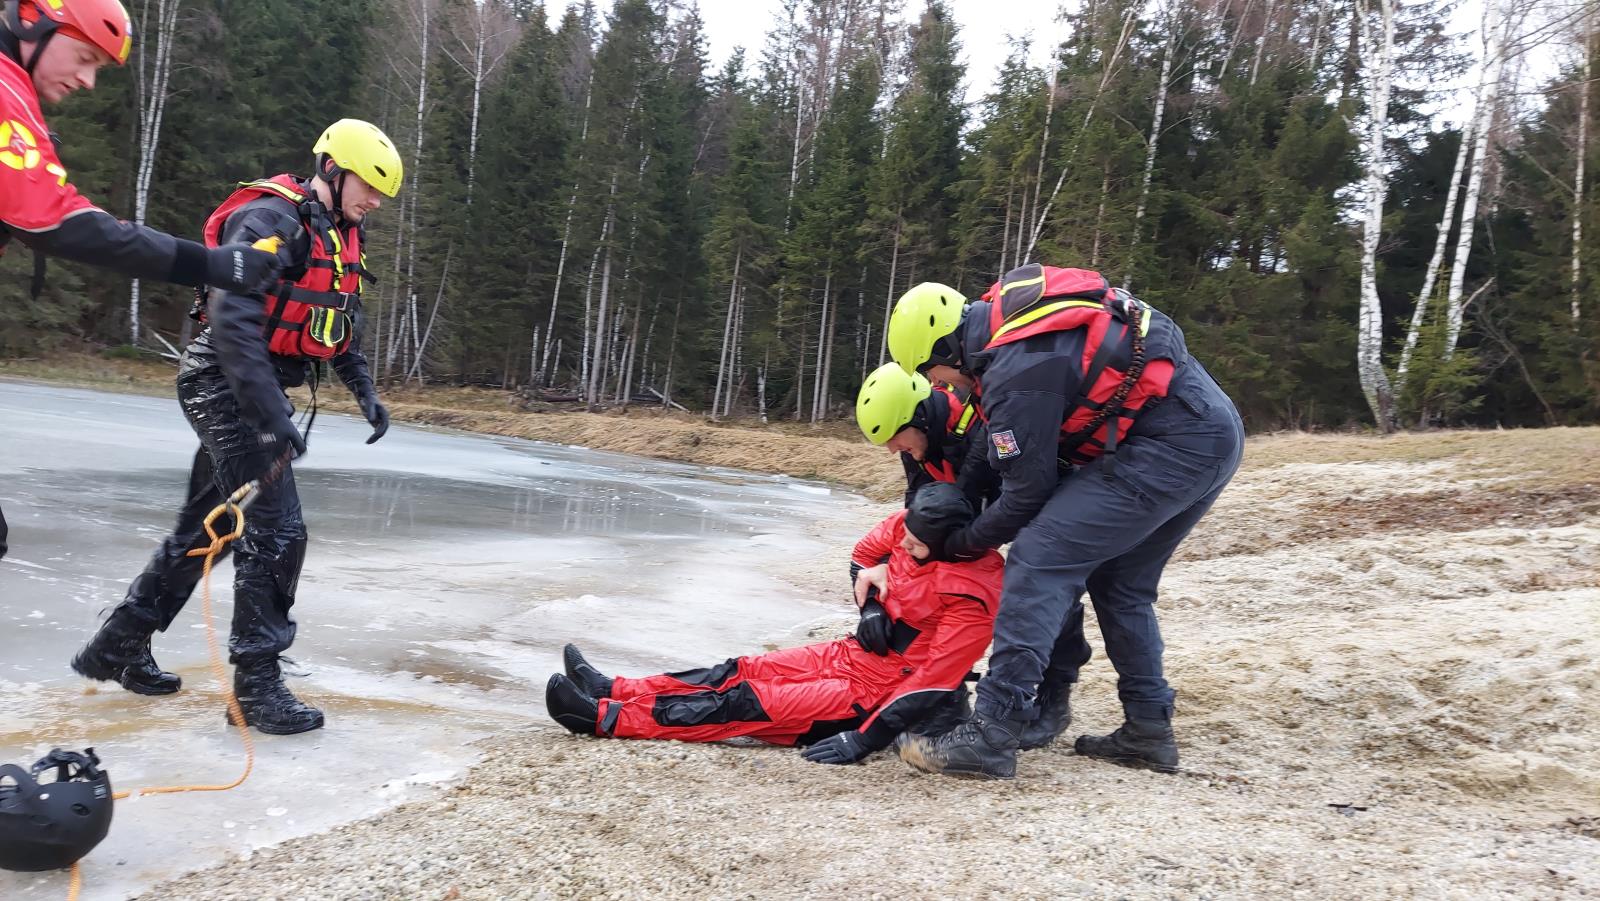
(51, 825)
(937, 511)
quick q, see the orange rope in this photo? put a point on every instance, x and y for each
(233, 506)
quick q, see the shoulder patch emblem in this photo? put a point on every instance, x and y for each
(1005, 444)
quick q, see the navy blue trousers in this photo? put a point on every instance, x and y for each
(1109, 530)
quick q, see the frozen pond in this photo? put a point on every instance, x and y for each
(444, 573)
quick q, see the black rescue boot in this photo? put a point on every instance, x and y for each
(1055, 715)
(570, 706)
(980, 747)
(120, 653)
(593, 683)
(266, 702)
(1145, 744)
(951, 712)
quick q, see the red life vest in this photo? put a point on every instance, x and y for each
(955, 433)
(1129, 355)
(314, 316)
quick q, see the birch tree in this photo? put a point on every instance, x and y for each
(152, 75)
(1376, 24)
(1497, 26)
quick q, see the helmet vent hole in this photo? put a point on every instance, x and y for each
(112, 27)
(876, 428)
(80, 810)
(930, 321)
(380, 171)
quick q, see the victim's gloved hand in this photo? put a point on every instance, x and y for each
(377, 415)
(241, 268)
(873, 631)
(846, 747)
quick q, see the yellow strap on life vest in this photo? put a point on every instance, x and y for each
(1022, 284)
(288, 194)
(1041, 312)
(965, 421)
(338, 257)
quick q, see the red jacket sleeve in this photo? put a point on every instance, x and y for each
(879, 543)
(963, 634)
(34, 192)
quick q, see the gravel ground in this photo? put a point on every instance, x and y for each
(1391, 706)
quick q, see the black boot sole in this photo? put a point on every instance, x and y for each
(100, 674)
(1132, 763)
(273, 729)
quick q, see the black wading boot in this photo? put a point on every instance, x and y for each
(1145, 744)
(980, 748)
(594, 683)
(120, 653)
(1055, 715)
(266, 701)
(570, 706)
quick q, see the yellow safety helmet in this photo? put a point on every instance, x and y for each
(922, 317)
(888, 401)
(362, 148)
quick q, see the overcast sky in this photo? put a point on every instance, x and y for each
(985, 26)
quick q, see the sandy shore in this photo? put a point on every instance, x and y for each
(1388, 663)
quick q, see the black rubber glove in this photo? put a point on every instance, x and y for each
(846, 747)
(281, 436)
(872, 632)
(377, 415)
(958, 548)
(241, 268)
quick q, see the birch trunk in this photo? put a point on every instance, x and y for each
(598, 372)
(1577, 177)
(566, 230)
(1497, 23)
(416, 168)
(827, 360)
(1106, 74)
(1441, 241)
(1378, 55)
(888, 299)
(724, 358)
(153, 75)
(822, 344)
(422, 347)
(1150, 151)
(1261, 41)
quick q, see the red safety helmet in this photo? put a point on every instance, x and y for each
(98, 23)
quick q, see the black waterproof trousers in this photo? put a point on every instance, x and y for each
(267, 559)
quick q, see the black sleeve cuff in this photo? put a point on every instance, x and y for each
(877, 736)
(188, 264)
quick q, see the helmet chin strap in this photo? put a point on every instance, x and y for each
(336, 189)
(333, 175)
(39, 33)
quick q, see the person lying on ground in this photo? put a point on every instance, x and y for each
(923, 625)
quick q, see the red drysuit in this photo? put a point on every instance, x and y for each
(944, 615)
